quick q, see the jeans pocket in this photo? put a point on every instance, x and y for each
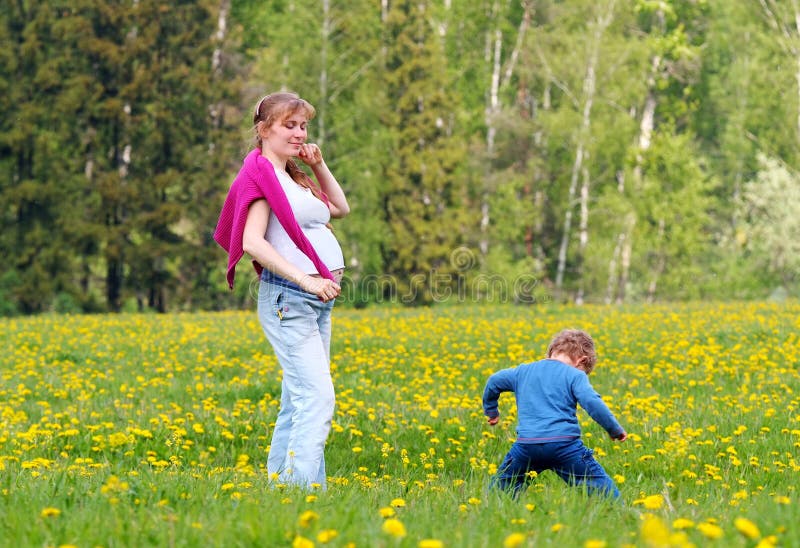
(297, 318)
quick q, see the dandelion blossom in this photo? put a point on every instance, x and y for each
(430, 543)
(302, 542)
(50, 512)
(682, 523)
(651, 502)
(591, 543)
(709, 530)
(387, 512)
(397, 503)
(654, 531)
(307, 518)
(747, 528)
(327, 535)
(394, 527)
(514, 540)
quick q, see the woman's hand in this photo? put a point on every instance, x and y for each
(310, 154)
(325, 289)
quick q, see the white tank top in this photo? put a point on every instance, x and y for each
(312, 215)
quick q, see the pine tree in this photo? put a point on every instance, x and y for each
(424, 193)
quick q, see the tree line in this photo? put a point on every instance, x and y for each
(520, 150)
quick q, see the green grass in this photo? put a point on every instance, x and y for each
(143, 430)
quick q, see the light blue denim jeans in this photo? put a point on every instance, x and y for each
(298, 325)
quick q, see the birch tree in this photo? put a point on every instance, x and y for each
(784, 19)
(604, 16)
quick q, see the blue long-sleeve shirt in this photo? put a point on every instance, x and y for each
(547, 394)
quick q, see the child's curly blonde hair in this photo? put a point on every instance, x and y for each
(576, 344)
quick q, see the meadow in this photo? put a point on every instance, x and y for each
(153, 430)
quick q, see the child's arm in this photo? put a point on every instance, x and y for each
(502, 381)
(594, 405)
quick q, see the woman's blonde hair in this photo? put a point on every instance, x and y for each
(576, 344)
(275, 108)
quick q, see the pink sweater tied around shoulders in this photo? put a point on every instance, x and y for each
(256, 180)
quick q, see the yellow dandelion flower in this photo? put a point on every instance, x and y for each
(781, 499)
(682, 523)
(514, 540)
(768, 542)
(592, 543)
(327, 535)
(302, 542)
(711, 531)
(557, 527)
(397, 503)
(430, 543)
(654, 531)
(387, 512)
(680, 540)
(474, 501)
(50, 512)
(311, 498)
(307, 518)
(394, 527)
(747, 528)
(651, 502)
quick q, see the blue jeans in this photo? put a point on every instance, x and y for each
(571, 460)
(298, 326)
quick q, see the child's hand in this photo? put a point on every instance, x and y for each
(621, 437)
(493, 420)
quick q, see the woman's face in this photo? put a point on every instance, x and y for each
(285, 137)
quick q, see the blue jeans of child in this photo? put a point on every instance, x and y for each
(298, 326)
(571, 460)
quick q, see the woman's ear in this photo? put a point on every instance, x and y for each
(261, 129)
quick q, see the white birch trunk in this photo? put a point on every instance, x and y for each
(219, 36)
(583, 233)
(789, 40)
(625, 257)
(646, 126)
(612, 268)
(491, 114)
(216, 61)
(660, 263)
(493, 53)
(589, 84)
(323, 74)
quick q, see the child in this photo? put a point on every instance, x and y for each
(548, 434)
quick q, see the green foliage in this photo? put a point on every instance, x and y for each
(770, 222)
(451, 126)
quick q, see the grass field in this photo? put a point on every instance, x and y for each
(146, 430)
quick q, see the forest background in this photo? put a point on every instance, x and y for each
(500, 150)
